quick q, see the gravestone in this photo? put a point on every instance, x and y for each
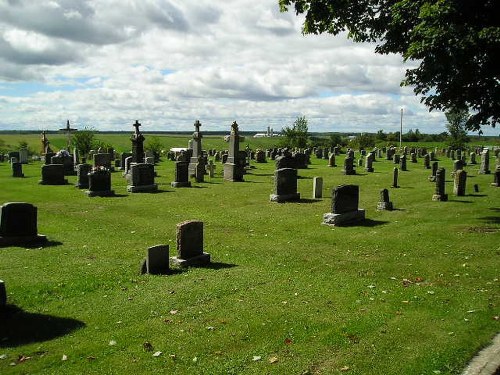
(485, 162)
(137, 144)
(199, 170)
(3, 295)
(285, 185)
(196, 147)
(384, 203)
(102, 160)
(496, 177)
(211, 168)
(285, 161)
(325, 153)
(17, 170)
(14, 154)
(395, 177)
(47, 158)
(345, 210)
(432, 177)
(472, 157)
(317, 187)
(457, 166)
(18, 225)
(260, 156)
(124, 156)
(82, 176)
(149, 160)
(396, 158)
(100, 183)
(459, 183)
(427, 161)
(190, 245)
(141, 178)
(413, 157)
(53, 174)
(402, 163)
(349, 166)
(440, 194)
(181, 175)
(369, 163)
(23, 156)
(157, 261)
(233, 170)
(128, 163)
(300, 160)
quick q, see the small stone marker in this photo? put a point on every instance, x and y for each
(349, 166)
(402, 163)
(496, 177)
(3, 295)
(18, 225)
(485, 162)
(211, 168)
(439, 194)
(432, 177)
(427, 161)
(157, 260)
(345, 200)
(460, 181)
(331, 160)
(285, 186)
(395, 177)
(199, 170)
(317, 187)
(369, 163)
(190, 245)
(384, 203)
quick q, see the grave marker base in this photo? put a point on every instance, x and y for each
(344, 218)
(180, 184)
(387, 206)
(284, 197)
(199, 260)
(142, 188)
(104, 193)
(22, 240)
(441, 198)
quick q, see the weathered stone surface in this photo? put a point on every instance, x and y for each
(157, 260)
(181, 175)
(190, 244)
(82, 176)
(440, 194)
(344, 218)
(53, 174)
(285, 185)
(100, 184)
(345, 198)
(459, 183)
(384, 203)
(141, 178)
(317, 187)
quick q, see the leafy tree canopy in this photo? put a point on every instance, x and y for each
(457, 119)
(456, 44)
(297, 135)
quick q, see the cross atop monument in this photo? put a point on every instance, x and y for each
(136, 126)
(68, 130)
(197, 125)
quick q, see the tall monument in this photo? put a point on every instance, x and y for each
(137, 144)
(234, 168)
(196, 147)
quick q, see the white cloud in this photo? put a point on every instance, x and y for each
(169, 62)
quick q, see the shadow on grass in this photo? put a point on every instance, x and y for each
(476, 195)
(369, 223)
(490, 219)
(458, 201)
(21, 327)
(308, 200)
(496, 209)
(215, 266)
(44, 245)
(304, 177)
(262, 174)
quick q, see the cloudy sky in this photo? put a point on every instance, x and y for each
(106, 63)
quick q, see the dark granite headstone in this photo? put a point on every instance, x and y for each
(190, 244)
(18, 224)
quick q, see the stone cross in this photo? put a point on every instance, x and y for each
(68, 130)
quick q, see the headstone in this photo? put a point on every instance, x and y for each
(23, 156)
(3, 295)
(285, 161)
(124, 156)
(157, 261)
(82, 176)
(53, 174)
(432, 177)
(17, 170)
(181, 175)
(384, 203)
(369, 163)
(496, 177)
(76, 159)
(395, 177)
(427, 161)
(485, 162)
(18, 225)
(439, 194)
(396, 158)
(199, 170)
(103, 160)
(100, 183)
(260, 156)
(457, 166)
(402, 163)
(345, 210)
(141, 178)
(459, 183)
(196, 147)
(413, 157)
(472, 157)
(233, 170)
(325, 153)
(300, 160)
(14, 154)
(137, 144)
(211, 168)
(317, 187)
(48, 157)
(285, 185)
(190, 245)
(349, 166)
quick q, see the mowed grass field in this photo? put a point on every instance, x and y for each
(411, 291)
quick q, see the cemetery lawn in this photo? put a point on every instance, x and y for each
(411, 291)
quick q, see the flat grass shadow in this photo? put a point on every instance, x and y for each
(477, 195)
(215, 265)
(459, 201)
(263, 174)
(496, 209)
(20, 327)
(369, 223)
(490, 219)
(308, 200)
(49, 243)
(304, 177)
(114, 196)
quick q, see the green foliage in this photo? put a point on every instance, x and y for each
(297, 135)
(456, 126)
(155, 145)
(454, 43)
(84, 141)
(381, 136)
(363, 141)
(412, 136)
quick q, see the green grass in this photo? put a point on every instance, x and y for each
(283, 287)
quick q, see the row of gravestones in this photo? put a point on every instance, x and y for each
(19, 227)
